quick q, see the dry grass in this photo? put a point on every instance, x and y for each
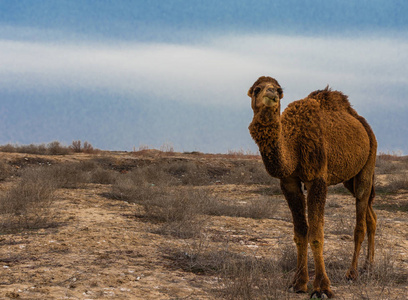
(248, 276)
(240, 276)
(5, 170)
(396, 182)
(391, 164)
(174, 197)
(52, 148)
(78, 147)
(26, 205)
(374, 282)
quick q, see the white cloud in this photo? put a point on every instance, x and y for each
(218, 71)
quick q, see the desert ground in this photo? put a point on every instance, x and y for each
(165, 225)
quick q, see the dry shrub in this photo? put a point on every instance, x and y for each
(102, 176)
(241, 276)
(53, 148)
(250, 172)
(398, 182)
(68, 175)
(76, 146)
(88, 148)
(74, 175)
(391, 163)
(141, 183)
(387, 166)
(250, 277)
(156, 190)
(395, 182)
(197, 173)
(385, 272)
(30, 149)
(125, 188)
(5, 170)
(27, 204)
(179, 211)
(257, 209)
(188, 173)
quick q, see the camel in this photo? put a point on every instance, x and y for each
(318, 141)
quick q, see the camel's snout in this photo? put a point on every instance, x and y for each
(270, 101)
(271, 97)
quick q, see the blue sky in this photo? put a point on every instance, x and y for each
(121, 74)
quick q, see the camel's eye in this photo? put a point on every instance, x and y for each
(256, 91)
(280, 91)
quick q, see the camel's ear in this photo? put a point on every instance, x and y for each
(280, 91)
(250, 92)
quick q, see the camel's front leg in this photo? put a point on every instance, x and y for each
(316, 199)
(291, 188)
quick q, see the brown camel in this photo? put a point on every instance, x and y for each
(320, 141)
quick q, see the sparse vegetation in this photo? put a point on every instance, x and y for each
(52, 148)
(184, 209)
(241, 276)
(5, 170)
(27, 204)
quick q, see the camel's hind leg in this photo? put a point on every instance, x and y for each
(371, 227)
(291, 188)
(362, 189)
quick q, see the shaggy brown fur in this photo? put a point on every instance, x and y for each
(320, 141)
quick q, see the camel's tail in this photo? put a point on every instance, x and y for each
(372, 194)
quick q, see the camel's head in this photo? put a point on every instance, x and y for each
(265, 92)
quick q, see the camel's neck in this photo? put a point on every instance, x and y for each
(266, 130)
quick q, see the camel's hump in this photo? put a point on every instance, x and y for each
(331, 100)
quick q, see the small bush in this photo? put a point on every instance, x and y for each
(391, 163)
(74, 175)
(257, 209)
(53, 148)
(27, 204)
(395, 183)
(103, 176)
(5, 170)
(250, 172)
(76, 146)
(384, 273)
(240, 276)
(67, 175)
(88, 148)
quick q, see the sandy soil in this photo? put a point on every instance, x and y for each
(100, 249)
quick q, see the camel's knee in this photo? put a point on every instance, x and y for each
(301, 231)
(316, 243)
(371, 216)
(363, 185)
(359, 234)
(360, 229)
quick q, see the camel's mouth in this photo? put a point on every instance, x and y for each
(270, 101)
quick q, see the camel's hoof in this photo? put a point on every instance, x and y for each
(351, 275)
(297, 291)
(321, 295)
